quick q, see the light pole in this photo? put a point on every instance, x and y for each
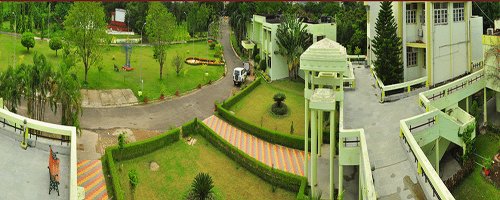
(142, 29)
(15, 36)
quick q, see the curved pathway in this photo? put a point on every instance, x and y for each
(172, 113)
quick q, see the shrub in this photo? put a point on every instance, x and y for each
(133, 178)
(282, 179)
(257, 58)
(263, 65)
(177, 63)
(28, 40)
(212, 45)
(279, 110)
(202, 188)
(55, 44)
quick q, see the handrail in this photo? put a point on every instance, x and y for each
(397, 86)
(424, 166)
(51, 128)
(426, 97)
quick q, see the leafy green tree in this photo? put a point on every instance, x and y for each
(67, 92)
(202, 188)
(9, 90)
(86, 30)
(240, 15)
(488, 10)
(292, 39)
(387, 47)
(351, 31)
(136, 15)
(198, 18)
(160, 25)
(55, 44)
(28, 40)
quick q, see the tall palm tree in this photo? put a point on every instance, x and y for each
(9, 90)
(239, 19)
(292, 39)
(202, 188)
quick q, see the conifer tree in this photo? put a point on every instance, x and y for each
(387, 47)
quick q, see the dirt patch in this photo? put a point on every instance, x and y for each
(153, 166)
(415, 188)
(109, 137)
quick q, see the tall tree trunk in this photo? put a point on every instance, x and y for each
(161, 70)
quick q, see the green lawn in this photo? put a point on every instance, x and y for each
(141, 59)
(180, 163)
(475, 186)
(256, 106)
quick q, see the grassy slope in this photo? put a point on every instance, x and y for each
(179, 164)
(475, 186)
(141, 59)
(256, 106)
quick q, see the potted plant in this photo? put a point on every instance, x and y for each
(487, 166)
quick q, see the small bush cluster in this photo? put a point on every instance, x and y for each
(279, 108)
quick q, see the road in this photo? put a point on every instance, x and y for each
(172, 113)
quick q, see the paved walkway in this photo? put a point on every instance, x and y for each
(24, 173)
(167, 114)
(91, 178)
(107, 98)
(283, 158)
(393, 175)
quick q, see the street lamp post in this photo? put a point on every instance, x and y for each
(142, 29)
(15, 36)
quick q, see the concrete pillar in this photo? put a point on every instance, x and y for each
(485, 106)
(332, 157)
(467, 104)
(306, 136)
(314, 150)
(320, 131)
(498, 101)
(437, 156)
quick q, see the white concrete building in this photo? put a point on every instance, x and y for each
(441, 40)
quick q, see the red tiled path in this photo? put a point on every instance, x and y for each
(90, 177)
(283, 158)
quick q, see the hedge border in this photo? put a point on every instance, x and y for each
(133, 150)
(292, 141)
(280, 178)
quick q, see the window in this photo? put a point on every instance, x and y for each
(440, 13)
(411, 13)
(458, 12)
(411, 57)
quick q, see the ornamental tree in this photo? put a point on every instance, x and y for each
(28, 40)
(387, 46)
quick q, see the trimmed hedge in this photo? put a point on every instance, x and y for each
(228, 103)
(280, 178)
(133, 150)
(275, 137)
(302, 194)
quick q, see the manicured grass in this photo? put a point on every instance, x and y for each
(475, 186)
(180, 163)
(141, 59)
(256, 106)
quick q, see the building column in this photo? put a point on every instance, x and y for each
(485, 106)
(332, 157)
(467, 104)
(320, 131)
(314, 150)
(306, 136)
(437, 155)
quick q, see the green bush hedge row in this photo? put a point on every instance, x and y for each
(303, 191)
(133, 150)
(228, 103)
(276, 177)
(275, 137)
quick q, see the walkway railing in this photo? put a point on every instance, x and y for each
(407, 86)
(70, 131)
(354, 151)
(424, 168)
(443, 96)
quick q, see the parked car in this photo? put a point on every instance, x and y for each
(240, 74)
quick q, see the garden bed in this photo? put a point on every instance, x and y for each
(202, 61)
